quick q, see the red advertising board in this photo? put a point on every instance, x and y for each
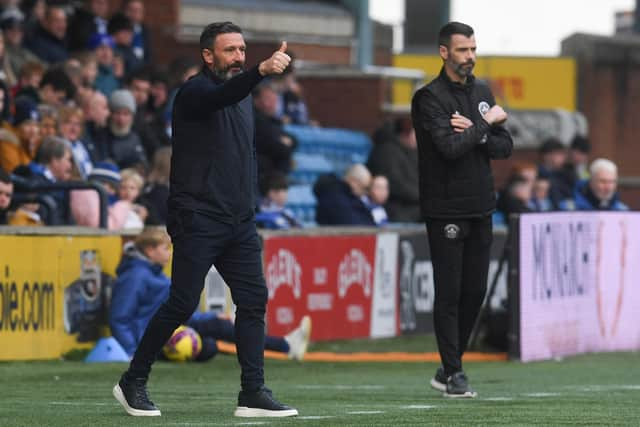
(330, 278)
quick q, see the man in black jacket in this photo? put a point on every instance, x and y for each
(458, 128)
(211, 217)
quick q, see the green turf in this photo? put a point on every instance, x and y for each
(600, 390)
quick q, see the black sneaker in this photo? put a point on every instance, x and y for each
(439, 380)
(458, 386)
(134, 398)
(261, 403)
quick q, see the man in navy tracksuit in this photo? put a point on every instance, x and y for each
(211, 217)
(459, 130)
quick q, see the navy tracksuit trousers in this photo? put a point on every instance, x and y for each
(235, 249)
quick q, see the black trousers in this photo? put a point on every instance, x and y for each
(198, 242)
(460, 257)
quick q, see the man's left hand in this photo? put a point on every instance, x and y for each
(459, 122)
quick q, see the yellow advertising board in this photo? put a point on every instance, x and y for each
(522, 83)
(54, 293)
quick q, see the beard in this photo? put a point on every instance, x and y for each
(463, 69)
(120, 131)
(225, 73)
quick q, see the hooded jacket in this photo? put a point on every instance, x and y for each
(139, 290)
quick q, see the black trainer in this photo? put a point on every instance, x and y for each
(134, 398)
(458, 386)
(439, 380)
(261, 403)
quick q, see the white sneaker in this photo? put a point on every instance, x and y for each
(298, 339)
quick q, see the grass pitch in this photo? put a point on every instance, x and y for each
(601, 389)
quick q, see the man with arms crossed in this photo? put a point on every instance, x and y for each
(211, 217)
(459, 130)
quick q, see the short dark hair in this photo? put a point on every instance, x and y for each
(211, 31)
(581, 143)
(273, 181)
(550, 145)
(59, 81)
(444, 36)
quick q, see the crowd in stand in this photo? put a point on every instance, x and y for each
(82, 101)
(563, 180)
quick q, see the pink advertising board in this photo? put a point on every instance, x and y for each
(579, 283)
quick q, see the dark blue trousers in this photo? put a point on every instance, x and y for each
(198, 242)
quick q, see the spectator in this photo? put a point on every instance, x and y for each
(158, 105)
(376, 198)
(340, 201)
(85, 204)
(131, 184)
(29, 80)
(121, 30)
(515, 197)
(142, 287)
(12, 24)
(577, 166)
(21, 150)
(139, 83)
(96, 131)
(134, 10)
(48, 121)
(156, 193)
(6, 193)
(397, 159)
(540, 201)
(89, 65)
(125, 147)
(55, 89)
(291, 105)
(55, 158)
(70, 128)
(24, 215)
(6, 72)
(33, 11)
(48, 42)
(102, 46)
(599, 192)
(272, 212)
(273, 146)
(87, 21)
(553, 155)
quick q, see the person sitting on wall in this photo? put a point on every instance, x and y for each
(598, 193)
(141, 287)
(340, 201)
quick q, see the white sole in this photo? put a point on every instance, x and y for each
(437, 385)
(119, 395)
(246, 412)
(466, 395)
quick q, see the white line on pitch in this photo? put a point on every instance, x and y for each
(365, 412)
(339, 387)
(80, 403)
(418, 407)
(542, 394)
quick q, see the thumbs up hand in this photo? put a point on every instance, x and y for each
(277, 63)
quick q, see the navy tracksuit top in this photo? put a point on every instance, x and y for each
(213, 163)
